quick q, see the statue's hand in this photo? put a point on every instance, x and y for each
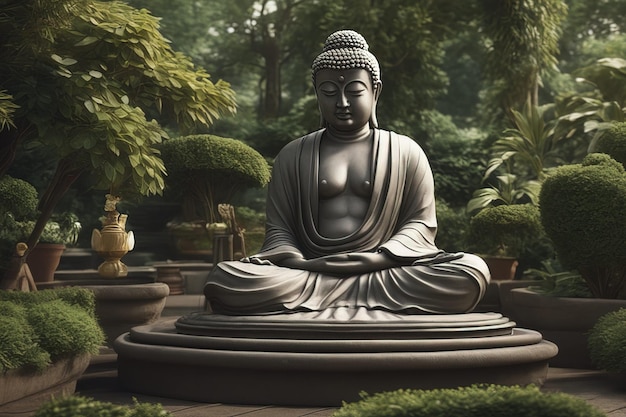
(342, 264)
(255, 260)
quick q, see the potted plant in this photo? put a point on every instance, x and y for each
(203, 172)
(18, 199)
(58, 233)
(48, 338)
(499, 233)
(581, 212)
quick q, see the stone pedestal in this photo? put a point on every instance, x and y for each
(298, 359)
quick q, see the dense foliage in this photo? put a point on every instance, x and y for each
(39, 327)
(607, 342)
(578, 204)
(474, 401)
(95, 83)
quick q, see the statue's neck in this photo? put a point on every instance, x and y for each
(351, 136)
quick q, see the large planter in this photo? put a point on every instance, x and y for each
(564, 321)
(121, 307)
(22, 392)
(43, 260)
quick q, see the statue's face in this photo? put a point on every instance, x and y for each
(346, 98)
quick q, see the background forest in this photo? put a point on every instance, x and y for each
(465, 79)
(452, 71)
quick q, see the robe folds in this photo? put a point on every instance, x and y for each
(400, 221)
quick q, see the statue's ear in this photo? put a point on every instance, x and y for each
(378, 87)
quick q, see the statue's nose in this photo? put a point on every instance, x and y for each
(342, 101)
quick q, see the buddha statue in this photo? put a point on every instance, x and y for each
(351, 219)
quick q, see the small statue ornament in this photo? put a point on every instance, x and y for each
(113, 242)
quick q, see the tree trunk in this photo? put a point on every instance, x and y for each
(272, 99)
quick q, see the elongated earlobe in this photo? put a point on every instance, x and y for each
(373, 119)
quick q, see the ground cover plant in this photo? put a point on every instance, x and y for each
(474, 401)
(88, 407)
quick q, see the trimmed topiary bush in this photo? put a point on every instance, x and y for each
(504, 230)
(475, 401)
(613, 142)
(582, 208)
(607, 342)
(18, 197)
(206, 170)
(88, 407)
(39, 327)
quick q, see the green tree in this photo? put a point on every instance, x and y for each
(84, 80)
(522, 40)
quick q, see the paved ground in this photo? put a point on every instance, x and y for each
(605, 391)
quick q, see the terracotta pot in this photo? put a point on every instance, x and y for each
(501, 267)
(562, 320)
(43, 260)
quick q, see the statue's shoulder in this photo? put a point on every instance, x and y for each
(407, 143)
(294, 146)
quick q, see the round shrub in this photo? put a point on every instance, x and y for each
(607, 342)
(504, 230)
(475, 401)
(18, 341)
(65, 329)
(582, 208)
(207, 170)
(17, 197)
(613, 142)
(88, 407)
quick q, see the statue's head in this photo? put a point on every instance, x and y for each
(347, 50)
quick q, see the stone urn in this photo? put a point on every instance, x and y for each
(112, 242)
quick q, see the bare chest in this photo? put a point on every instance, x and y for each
(345, 170)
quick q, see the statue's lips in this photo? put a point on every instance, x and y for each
(343, 116)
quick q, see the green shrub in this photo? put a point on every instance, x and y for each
(37, 327)
(65, 329)
(17, 197)
(607, 342)
(504, 230)
(77, 296)
(87, 407)
(19, 346)
(206, 170)
(582, 212)
(613, 142)
(475, 401)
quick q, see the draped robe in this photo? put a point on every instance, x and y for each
(400, 221)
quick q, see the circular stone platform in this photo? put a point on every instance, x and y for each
(292, 359)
